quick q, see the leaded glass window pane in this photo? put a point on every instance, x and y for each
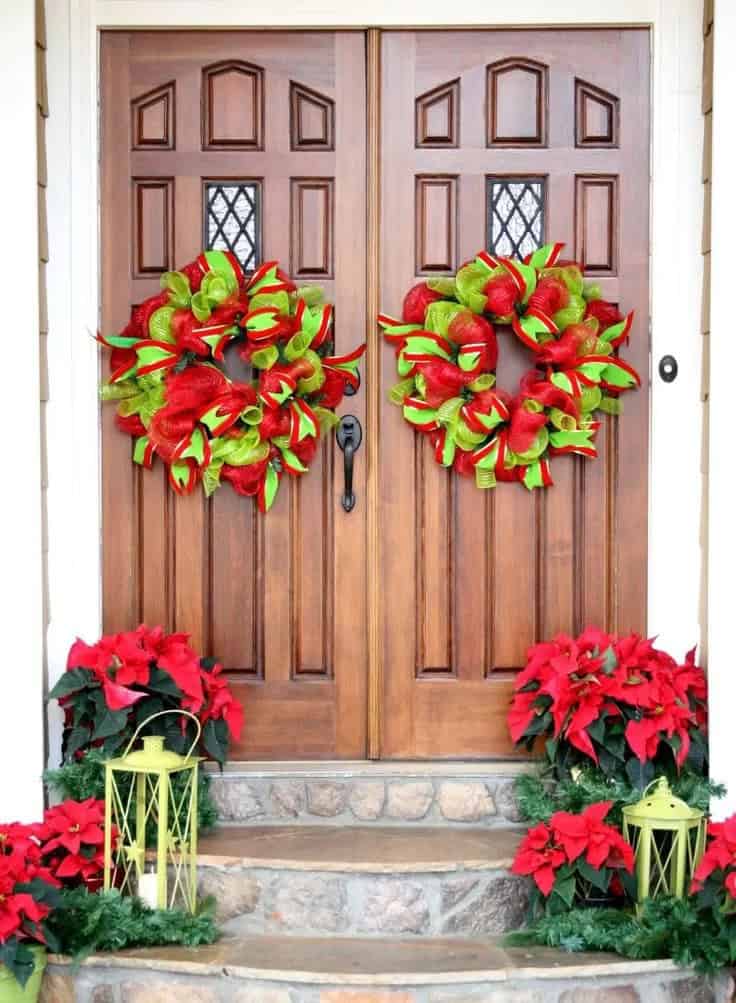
(515, 216)
(232, 220)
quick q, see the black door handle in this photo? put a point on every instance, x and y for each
(349, 436)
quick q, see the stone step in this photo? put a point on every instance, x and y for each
(363, 881)
(307, 970)
(364, 793)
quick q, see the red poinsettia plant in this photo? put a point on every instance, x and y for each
(574, 854)
(113, 686)
(73, 842)
(28, 893)
(616, 701)
(714, 880)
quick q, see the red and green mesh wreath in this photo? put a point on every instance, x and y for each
(173, 397)
(447, 350)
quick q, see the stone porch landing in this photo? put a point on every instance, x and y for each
(309, 970)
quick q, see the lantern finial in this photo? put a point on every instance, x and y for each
(661, 805)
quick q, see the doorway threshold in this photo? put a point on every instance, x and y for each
(346, 768)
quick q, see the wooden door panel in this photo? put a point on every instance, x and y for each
(279, 598)
(471, 579)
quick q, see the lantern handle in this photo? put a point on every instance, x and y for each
(161, 713)
(657, 781)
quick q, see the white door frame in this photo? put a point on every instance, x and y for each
(676, 269)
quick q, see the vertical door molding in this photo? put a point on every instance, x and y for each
(373, 381)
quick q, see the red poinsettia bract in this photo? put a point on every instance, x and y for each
(74, 839)
(568, 838)
(718, 864)
(540, 857)
(597, 690)
(588, 834)
(22, 905)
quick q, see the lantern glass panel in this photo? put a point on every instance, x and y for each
(672, 858)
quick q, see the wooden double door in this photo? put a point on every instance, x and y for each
(364, 162)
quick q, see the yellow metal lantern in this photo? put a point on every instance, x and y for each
(668, 837)
(140, 796)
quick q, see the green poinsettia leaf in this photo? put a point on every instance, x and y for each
(599, 879)
(72, 681)
(18, 958)
(111, 722)
(75, 740)
(564, 888)
(215, 743)
(161, 682)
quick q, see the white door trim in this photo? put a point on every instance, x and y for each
(676, 273)
(721, 479)
(22, 586)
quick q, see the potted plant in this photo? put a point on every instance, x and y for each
(28, 894)
(575, 860)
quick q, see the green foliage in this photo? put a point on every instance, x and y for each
(19, 958)
(539, 796)
(666, 928)
(87, 923)
(85, 778)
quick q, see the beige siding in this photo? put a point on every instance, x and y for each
(708, 29)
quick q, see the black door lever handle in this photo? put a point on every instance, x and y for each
(349, 436)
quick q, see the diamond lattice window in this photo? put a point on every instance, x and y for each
(515, 216)
(232, 220)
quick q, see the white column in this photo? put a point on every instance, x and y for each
(722, 463)
(21, 556)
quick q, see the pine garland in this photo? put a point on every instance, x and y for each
(666, 928)
(539, 796)
(87, 923)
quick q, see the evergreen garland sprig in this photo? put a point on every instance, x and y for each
(86, 923)
(666, 928)
(539, 795)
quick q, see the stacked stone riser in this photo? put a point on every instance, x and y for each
(99, 984)
(274, 901)
(247, 797)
